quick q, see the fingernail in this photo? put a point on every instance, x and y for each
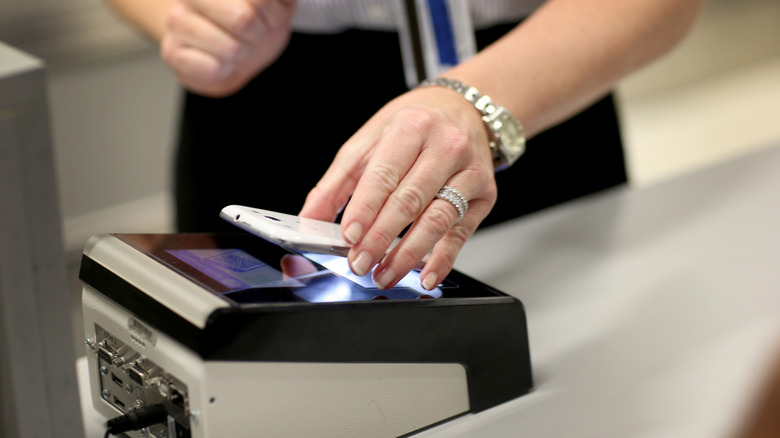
(362, 264)
(383, 278)
(353, 233)
(430, 281)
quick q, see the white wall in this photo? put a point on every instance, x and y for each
(716, 96)
(114, 111)
(114, 124)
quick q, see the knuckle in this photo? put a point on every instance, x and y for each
(170, 52)
(232, 50)
(378, 238)
(417, 119)
(385, 177)
(485, 187)
(407, 257)
(410, 200)
(459, 235)
(457, 142)
(440, 221)
(242, 20)
(175, 16)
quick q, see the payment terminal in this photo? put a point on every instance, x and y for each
(228, 335)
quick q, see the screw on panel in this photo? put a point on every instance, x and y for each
(164, 389)
(103, 371)
(194, 417)
(90, 343)
(129, 388)
(106, 394)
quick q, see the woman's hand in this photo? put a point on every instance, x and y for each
(215, 47)
(392, 168)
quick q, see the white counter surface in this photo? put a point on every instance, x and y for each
(652, 312)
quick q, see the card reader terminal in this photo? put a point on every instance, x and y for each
(236, 337)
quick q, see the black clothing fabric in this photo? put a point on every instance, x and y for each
(270, 143)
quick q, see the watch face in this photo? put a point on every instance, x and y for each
(511, 137)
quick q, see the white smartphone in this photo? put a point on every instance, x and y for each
(302, 234)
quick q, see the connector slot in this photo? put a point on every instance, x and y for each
(105, 355)
(119, 403)
(136, 375)
(117, 380)
(142, 383)
(177, 398)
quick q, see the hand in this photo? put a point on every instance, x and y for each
(392, 168)
(215, 47)
(294, 266)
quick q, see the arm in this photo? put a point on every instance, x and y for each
(567, 54)
(570, 52)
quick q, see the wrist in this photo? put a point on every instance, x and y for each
(506, 136)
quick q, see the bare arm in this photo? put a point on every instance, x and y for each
(570, 52)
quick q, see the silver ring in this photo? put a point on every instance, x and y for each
(456, 198)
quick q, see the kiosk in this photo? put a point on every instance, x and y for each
(233, 336)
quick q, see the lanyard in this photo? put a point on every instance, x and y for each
(435, 36)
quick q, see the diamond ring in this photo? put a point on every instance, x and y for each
(456, 198)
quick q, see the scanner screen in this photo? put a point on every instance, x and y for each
(244, 269)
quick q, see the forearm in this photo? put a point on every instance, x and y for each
(570, 52)
(147, 15)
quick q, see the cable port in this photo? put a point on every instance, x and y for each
(177, 398)
(105, 355)
(119, 403)
(117, 380)
(136, 375)
(137, 419)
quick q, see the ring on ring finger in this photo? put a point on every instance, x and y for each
(456, 198)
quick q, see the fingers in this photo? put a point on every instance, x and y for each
(198, 50)
(215, 47)
(438, 228)
(241, 19)
(328, 198)
(195, 31)
(401, 178)
(397, 186)
(294, 266)
(390, 172)
(442, 258)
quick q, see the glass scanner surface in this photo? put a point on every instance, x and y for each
(244, 269)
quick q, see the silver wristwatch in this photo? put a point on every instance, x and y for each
(505, 133)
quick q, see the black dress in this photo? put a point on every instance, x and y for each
(270, 143)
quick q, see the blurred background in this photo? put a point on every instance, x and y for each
(114, 109)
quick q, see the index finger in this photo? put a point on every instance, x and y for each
(326, 200)
(397, 149)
